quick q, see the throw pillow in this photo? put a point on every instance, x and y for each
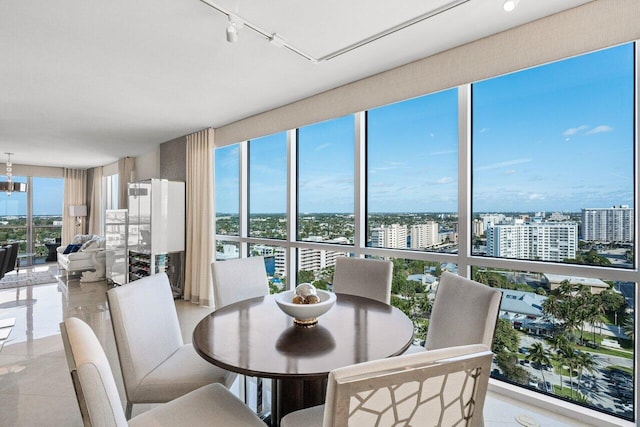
(71, 248)
(91, 244)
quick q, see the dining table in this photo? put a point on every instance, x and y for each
(254, 337)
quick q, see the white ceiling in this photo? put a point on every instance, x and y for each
(83, 83)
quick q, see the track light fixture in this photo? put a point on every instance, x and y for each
(232, 28)
(510, 5)
(236, 23)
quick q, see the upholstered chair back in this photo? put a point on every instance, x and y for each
(443, 387)
(238, 279)
(91, 375)
(464, 312)
(6, 260)
(13, 256)
(3, 256)
(363, 277)
(145, 325)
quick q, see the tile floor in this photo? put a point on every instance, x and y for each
(35, 387)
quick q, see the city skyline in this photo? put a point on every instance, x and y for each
(554, 138)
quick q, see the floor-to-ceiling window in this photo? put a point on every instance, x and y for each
(33, 218)
(525, 182)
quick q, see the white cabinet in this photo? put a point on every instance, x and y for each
(157, 230)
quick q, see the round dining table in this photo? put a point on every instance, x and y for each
(254, 337)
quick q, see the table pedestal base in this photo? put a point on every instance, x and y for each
(293, 394)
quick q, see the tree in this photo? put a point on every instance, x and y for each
(508, 364)
(585, 361)
(305, 276)
(538, 355)
(506, 338)
(628, 327)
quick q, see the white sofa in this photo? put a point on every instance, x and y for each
(90, 256)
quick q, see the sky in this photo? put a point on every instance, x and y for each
(47, 197)
(558, 137)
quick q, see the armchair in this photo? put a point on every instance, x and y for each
(90, 255)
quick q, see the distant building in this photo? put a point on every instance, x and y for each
(478, 227)
(524, 311)
(613, 224)
(552, 281)
(310, 259)
(390, 236)
(558, 217)
(495, 219)
(424, 235)
(228, 252)
(545, 241)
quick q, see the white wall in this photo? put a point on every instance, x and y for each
(148, 165)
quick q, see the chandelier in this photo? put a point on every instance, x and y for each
(9, 186)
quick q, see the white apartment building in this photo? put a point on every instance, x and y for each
(496, 218)
(310, 259)
(613, 224)
(545, 241)
(478, 227)
(424, 235)
(390, 236)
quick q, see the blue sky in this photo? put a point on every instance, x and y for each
(47, 197)
(553, 138)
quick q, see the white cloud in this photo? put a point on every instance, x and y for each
(536, 196)
(573, 131)
(600, 129)
(503, 164)
(322, 146)
(441, 153)
(510, 172)
(445, 180)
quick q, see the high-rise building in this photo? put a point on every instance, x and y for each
(545, 241)
(424, 235)
(390, 236)
(613, 224)
(310, 259)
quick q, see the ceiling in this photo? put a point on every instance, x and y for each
(84, 83)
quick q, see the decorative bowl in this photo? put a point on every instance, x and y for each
(305, 314)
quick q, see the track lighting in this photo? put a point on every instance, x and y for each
(232, 30)
(510, 5)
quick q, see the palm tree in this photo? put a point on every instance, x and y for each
(558, 343)
(538, 354)
(585, 361)
(628, 327)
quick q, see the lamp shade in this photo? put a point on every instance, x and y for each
(78, 210)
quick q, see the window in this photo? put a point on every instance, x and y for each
(546, 193)
(47, 215)
(227, 187)
(325, 181)
(553, 173)
(268, 186)
(412, 175)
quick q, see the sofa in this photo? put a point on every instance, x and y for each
(85, 252)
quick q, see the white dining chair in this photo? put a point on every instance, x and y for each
(236, 280)
(464, 312)
(157, 366)
(365, 277)
(99, 401)
(444, 387)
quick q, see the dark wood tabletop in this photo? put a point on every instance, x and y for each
(254, 337)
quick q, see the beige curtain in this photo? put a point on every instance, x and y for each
(198, 286)
(94, 208)
(126, 166)
(75, 190)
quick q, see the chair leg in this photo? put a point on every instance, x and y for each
(127, 411)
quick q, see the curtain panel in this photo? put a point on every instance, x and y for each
(126, 166)
(198, 286)
(75, 191)
(94, 208)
